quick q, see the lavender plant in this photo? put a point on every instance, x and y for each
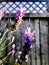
(28, 40)
(8, 38)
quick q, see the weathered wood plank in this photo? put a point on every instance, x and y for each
(35, 15)
(44, 33)
(37, 40)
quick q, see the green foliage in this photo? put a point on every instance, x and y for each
(4, 45)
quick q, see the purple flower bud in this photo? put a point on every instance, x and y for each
(13, 52)
(20, 14)
(28, 35)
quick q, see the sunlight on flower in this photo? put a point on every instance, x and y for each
(13, 46)
(20, 52)
(31, 46)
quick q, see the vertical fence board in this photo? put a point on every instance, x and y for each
(44, 32)
(37, 40)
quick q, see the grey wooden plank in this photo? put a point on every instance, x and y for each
(44, 33)
(37, 40)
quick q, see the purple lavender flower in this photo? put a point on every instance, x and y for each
(28, 35)
(20, 14)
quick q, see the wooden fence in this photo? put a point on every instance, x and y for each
(40, 23)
